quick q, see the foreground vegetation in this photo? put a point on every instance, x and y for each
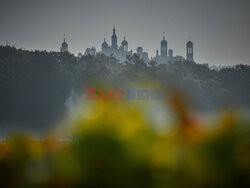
(122, 149)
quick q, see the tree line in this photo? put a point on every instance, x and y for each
(34, 85)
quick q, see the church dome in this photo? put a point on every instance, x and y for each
(104, 44)
(64, 44)
(124, 42)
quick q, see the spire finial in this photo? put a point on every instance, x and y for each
(164, 37)
(64, 37)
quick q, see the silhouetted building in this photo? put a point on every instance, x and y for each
(178, 58)
(164, 47)
(125, 45)
(163, 57)
(120, 53)
(64, 46)
(142, 55)
(139, 50)
(170, 55)
(104, 46)
(90, 51)
(190, 51)
(114, 40)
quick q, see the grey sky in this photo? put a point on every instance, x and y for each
(220, 29)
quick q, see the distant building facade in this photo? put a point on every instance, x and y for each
(143, 55)
(190, 51)
(121, 52)
(90, 51)
(167, 56)
(64, 46)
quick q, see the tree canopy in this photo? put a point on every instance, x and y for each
(34, 85)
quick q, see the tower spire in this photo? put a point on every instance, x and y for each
(114, 40)
(190, 50)
(64, 46)
(164, 46)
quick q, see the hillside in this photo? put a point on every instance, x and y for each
(34, 85)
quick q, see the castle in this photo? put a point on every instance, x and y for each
(121, 52)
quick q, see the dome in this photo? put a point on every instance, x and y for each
(64, 44)
(104, 44)
(124, 43)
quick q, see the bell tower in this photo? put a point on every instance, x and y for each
(114, 40)
(164, 47)
(190, 50)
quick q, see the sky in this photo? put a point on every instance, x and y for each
(219, 29)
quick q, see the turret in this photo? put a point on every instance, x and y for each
(190, 51)
(114, 40)
(164, 47)
(64, 46)
(104, 45)
(125, 45)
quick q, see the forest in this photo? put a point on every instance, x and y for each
(35, 85)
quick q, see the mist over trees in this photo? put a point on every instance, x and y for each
(34, 85)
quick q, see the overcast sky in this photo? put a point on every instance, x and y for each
(220, 29)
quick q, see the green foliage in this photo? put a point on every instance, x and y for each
(34, 85)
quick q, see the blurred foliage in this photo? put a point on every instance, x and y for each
(117, 147)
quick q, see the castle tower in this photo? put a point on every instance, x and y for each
(164, 47)
(104, 46)
(157, 53)
(114, 40)
(190, 51)
(139, 51)
(125, 45)
(64, 46)
(170, 55)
